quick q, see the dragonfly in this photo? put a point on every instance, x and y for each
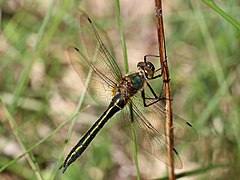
(124, 95)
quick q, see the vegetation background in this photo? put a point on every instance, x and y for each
(39, 89)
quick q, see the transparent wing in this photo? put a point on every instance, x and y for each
(96, 58)
(149, 123)
(147, 137)
(97, 52)
(156, 115)
(99, 86)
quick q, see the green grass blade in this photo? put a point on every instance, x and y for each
(134, 142)
(25, 75)
(222, 13)
(20, 140)
(124, 47)
(198, 171)
(126, 70)
(39, 142)
(70, 130)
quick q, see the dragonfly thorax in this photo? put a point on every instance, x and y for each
(147, 68)
(130, 84)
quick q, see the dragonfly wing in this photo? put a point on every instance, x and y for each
(97, 61)
(96, 50)
(147, 137)
(156, 115)
(99, 86)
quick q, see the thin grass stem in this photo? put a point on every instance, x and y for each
(126, 70)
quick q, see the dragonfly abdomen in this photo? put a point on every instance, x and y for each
(116, 105)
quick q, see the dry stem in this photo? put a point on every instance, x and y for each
(167, 88)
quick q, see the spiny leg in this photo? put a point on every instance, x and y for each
(156, 98)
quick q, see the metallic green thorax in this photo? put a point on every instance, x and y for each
(129, 85)
(137, 82)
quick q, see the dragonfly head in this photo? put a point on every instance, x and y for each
(147, 68)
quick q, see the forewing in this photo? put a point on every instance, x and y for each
(95, 60)
(99, 55)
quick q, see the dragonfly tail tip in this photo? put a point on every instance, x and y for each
(64, 166)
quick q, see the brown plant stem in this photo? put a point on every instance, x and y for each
(167, 88)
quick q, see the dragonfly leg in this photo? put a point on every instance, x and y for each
(156, 98)
(157, 76)
(145, 60)
(160, 97)
(149, 55)
(152, 91)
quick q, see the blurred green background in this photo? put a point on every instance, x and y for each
(40, 90)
